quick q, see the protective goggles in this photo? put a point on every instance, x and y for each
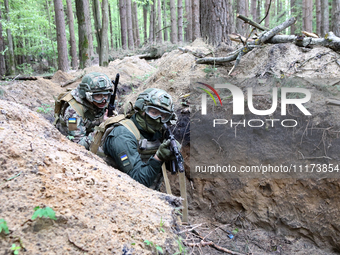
(155, 113)
(98, 97)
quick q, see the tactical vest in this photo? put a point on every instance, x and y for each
(146, 148)
(62, 102)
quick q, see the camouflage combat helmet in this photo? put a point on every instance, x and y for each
(156, 99)
(94, 83)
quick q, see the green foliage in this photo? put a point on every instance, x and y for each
(25, 69)
(44, 212)
(181, 248)
(154, 246)
(3, 226)
(235, 231)
(15, 249)
(45, 108)
(161, 225)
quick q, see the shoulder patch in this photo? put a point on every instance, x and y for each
(72, 124)
(124, 159)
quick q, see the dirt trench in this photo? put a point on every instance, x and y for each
(246, 215)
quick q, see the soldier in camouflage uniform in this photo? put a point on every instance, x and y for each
(84, 108)
(138, 147)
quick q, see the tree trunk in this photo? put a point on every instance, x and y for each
(89, 28)
(74, 61)
(104, 51)
(2, 48)
(145, 19)
(173, 35)
(152, 24)
(84, 41)
(61, 36)
(258, 11)
(336, 17)
(54, 64)
(111, 29)
(324, 17)
(266, 22)
(129, 24)
(196, 31)
(214, 21)
(136, 27)
(307, 15)
(165, 24)
(293, 11)
(253, 9)
(231, 17)
(241, 9)
(318, 16)
(10, 63)
(97, 24)
(188, 9)
(123, 24)
(180, 20)
(159, 11)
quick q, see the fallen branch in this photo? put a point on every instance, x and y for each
(73, 80)
(230, 57)
(22, 78)
(333, 102)
(330, 40)
(196, 54)
(238, 38)
(252, 23)
(264, 38)
(249, 46)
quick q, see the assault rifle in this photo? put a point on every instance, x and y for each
(177, 163)
(111, 105)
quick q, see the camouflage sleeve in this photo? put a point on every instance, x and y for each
(76, 128)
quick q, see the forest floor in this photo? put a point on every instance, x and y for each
(100, 210)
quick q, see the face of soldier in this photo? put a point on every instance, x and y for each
(103, 98)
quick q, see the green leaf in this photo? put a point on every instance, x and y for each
(36, 208)
(16, 252)
(13, 247)
(3, 226)
(235, 231)
(162, 229)
(133, 244)
(36, 214)
(158, 248)
(148, 242)
(50, 213)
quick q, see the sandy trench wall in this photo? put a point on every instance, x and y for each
(99, 210)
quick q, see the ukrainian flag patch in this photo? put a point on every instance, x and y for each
(72, 120)
(123, 157)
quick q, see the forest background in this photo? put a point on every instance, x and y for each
(71, 34)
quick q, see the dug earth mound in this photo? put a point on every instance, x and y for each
(102, 211)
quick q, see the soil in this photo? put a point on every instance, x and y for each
(100, 210)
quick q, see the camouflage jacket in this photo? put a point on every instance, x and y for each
(79, 129)
(122, 146)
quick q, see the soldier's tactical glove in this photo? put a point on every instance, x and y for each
(164, 153)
